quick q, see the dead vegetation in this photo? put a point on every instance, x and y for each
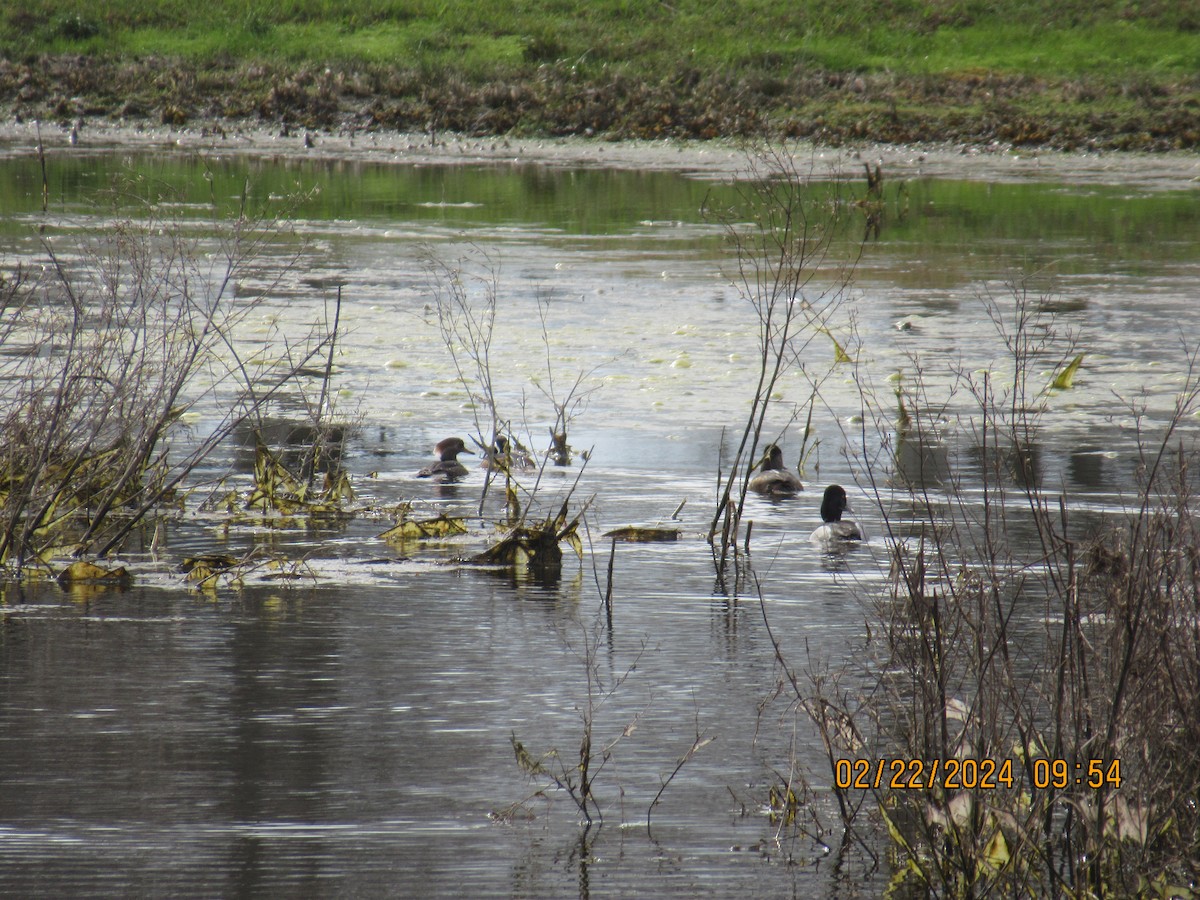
(834, 108)
(1032, 726)
(465, 294)
(106, 351)
(793, 271)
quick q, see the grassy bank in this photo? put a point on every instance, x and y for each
(1072, 74)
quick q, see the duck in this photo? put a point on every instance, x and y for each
(835, 529)
(774, 480)
(447, 469)
(502, 457)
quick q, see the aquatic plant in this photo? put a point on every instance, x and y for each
(106, 351)
(410, 529)
(536, 547)
(577, 773)
(279, 490)
(464, 304)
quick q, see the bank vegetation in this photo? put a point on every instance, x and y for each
(1103, 75)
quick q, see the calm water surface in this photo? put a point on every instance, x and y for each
(351, 734)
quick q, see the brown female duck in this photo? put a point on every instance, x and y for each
(447, 469)
(774, 480)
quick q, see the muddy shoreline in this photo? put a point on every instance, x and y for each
(720, 159)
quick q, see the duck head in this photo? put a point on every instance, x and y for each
(448, 449)
(834, 503)
(772, 458)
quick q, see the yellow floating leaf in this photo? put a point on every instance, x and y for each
(996, 852)
(202, 568)
(1065, 379)
(402, 531)
(88, 573)
(200, 572)
(416, 529)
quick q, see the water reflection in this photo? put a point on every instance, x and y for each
(1008, 459)
(922, 460)
(1086, 468)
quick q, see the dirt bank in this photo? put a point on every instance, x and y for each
(832, 109)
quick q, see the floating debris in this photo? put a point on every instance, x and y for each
(278, 489)
(206, 567)
(535, 547)
(419, 529)
(636, 534)
(80, 573)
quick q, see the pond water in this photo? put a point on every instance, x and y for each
(352, 733)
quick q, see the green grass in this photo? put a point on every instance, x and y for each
(1118, 74)
(489, 39)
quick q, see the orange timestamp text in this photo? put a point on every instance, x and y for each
(971, 774)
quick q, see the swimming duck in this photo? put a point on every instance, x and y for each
(836, 529)
(774, 480)
(503, 457)
(447, 468)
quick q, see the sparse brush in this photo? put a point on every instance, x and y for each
(1032, 729)
(105, 350)
(1067, 750)
(795, 226)
(465, 298)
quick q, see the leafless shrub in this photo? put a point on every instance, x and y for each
(1034, 731)
(785, 230)
(464, 311)
(104, 351)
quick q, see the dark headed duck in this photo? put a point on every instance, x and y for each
(508, 456)
(835, 529)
